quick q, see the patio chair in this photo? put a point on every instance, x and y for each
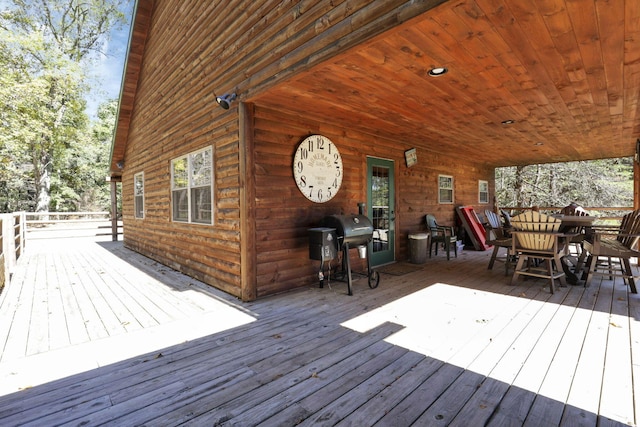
(535, 240)
(441, 234)
(580, 231)
(607, 245)
(498, 237)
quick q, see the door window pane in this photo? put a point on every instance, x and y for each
(380, 208)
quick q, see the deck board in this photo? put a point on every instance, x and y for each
(127, 341)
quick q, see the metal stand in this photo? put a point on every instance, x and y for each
(372, 275)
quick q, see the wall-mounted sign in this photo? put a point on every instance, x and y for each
(411, 157)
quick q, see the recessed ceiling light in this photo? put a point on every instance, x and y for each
(539, 143)
(438, 71)
(508, 122)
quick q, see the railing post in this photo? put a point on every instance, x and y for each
(3, 264)
(22, 230)
(8, 245)
(114, 210)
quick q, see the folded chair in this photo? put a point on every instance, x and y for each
(535, 240)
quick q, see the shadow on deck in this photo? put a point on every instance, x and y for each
(450, 343)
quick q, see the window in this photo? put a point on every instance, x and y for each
(483, 191)
(445, 189)
(138, 195)
(192, 187)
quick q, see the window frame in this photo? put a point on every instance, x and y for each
(447, 189)
(186, 186)
(138, 196)
(482, 183)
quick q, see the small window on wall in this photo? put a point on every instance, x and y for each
(138, 195)
(445, 189)
(483, 191)
(192, 187)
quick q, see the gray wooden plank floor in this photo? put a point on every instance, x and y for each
(94, 334)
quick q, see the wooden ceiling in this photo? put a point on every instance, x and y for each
(567, 72)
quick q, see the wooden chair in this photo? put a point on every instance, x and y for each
(535, 238)
(441, 234)
(579, 231)
(605, 245)
(499, 238)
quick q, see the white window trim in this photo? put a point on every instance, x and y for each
(480, 192)
(190, 187)
(452, 189)
(135, 196)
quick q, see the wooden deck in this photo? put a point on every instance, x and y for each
(92, 333)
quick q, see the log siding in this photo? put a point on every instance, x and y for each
(257, 245)
(283, 214)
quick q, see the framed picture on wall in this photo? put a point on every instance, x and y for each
(411, 157)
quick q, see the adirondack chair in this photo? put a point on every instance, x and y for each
(619, 245)
(496, 236)
(440, 234)
(535, 238)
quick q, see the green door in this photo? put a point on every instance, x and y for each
(381, 209)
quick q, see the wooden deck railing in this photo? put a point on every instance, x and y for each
(57, 225)
(18, 227)
(12, 241)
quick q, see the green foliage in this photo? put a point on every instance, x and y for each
(51, 157)
(80, 184)
(601, 183)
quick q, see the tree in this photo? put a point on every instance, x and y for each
(602, 183)
(81, 183)
(45, 47)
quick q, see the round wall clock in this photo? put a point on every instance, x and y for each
(317, 168)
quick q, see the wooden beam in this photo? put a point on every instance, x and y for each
(114, 211)
(248, 272)
(636, 184)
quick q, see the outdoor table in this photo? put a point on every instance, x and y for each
(571, 225)
(575, 220)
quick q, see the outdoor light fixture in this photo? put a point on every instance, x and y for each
(508, 122)
(437, 71)
(225, 100)
(120, 164)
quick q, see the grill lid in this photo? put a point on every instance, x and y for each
(352, 229)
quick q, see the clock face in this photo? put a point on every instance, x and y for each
(317, 168)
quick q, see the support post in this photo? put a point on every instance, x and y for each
(114, 210)
(636, 183)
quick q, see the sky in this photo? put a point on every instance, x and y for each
(108, 70)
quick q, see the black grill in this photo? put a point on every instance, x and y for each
(356, 230)
(351, 231)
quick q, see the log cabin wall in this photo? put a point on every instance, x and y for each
(175, 114)
(283, 214)
(197, 49)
